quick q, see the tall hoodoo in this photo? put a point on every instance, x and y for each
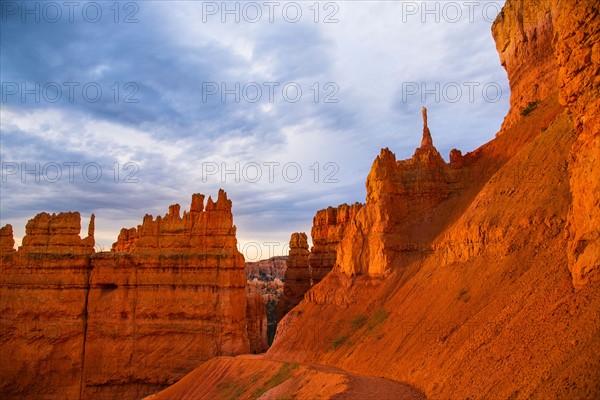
(297, 275)
(427, 141)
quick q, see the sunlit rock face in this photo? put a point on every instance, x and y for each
(125, 323)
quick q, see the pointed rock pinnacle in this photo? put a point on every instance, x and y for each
(426, 142)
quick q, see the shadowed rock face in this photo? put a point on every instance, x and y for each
(297, 275)
(256, 315)
(126, 323)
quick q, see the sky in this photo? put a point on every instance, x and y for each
(124, 108)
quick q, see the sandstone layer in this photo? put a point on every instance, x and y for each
(43, 316)
(256, 317)
(327, 230)
(126, 323)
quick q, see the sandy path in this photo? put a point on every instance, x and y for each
(365, 387)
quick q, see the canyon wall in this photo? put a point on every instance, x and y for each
(455, 275)
(126, 323)
(550, 46)
(43, 295)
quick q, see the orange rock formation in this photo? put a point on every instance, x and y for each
(478, 278)
(126, 323)
(453, 276)
(43, 292)
(297, 275)
(328, 227)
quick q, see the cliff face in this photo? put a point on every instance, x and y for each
(130, 322)
(256, 315)
(43, 292)
(549, 47)
(489, 263)
(577, 38)
(328, 229)
(170, 295)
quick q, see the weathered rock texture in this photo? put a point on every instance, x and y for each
(297, 275)
(328, 227)
(402, 200)
(555, 46)
(43, 293)
(7, 242)
(127, 323)
(453, 276)
(256, 315)
(171, 294)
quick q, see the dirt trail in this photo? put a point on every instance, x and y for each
(362, 387)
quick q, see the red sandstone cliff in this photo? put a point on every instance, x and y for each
(43, 292)
(550, 48)
(453, 276)
(126, 323)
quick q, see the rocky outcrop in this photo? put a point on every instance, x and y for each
(526, 50)
(553, 46)
(297, 275)
(123, 324)
(256, 315)
(328, 228)
(402, 197)
(174, 298)
(43, 294)
(577, 49)
(7, 241)
(57, 234)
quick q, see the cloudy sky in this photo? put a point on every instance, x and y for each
(121, 109)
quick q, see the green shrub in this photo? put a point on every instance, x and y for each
(532, 105)
(284, 373)
(463, 294)
(338, 341)
(359, 321)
